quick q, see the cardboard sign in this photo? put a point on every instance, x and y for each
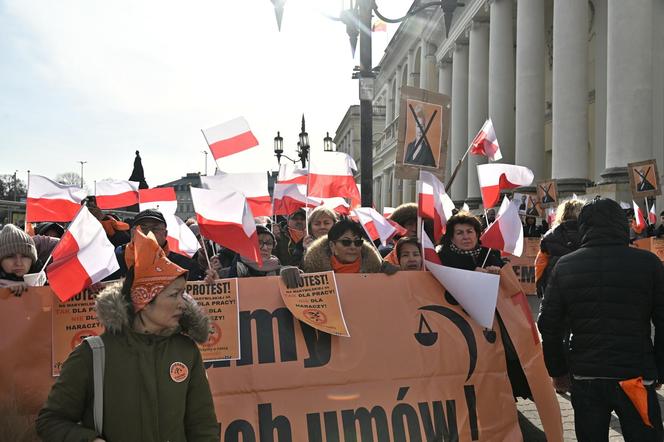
(416, 368)
(72, 322)
(524, 265)
(654, 245)
(424, 124)
(529, 204)
(220, 302)
(644, 179)
(547, 193)
(316, 302)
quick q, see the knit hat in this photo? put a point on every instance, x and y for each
(14, 240)
(152, 270)
(262, 230)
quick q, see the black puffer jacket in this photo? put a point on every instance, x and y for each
(608, 293)
(557, 242)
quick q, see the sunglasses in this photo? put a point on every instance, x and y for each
(349, 242)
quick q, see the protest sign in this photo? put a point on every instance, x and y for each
(393, 380)
(654, 245)
(644, 179)
(316, 302)
(220, 302)
(524, 265)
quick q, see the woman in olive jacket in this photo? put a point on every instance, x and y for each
(155, 388)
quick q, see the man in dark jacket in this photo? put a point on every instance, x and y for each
(608, 294)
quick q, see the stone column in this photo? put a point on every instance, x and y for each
(385, 201)
(598, 157)
(388, 103)
(629, 85)
(459, 120)
(445, 87)
(396, 192)
(530, 63)
(408, 185)
(570, 95)
(501, 75)
(478, 84)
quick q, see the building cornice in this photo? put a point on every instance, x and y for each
(460, 28)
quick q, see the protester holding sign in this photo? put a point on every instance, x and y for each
(242, 267)
(18, 256)
(321, 220)
(562, 239)
(608, 293)
(154, 383)
(409, 252)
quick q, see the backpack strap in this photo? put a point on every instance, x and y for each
(98, 363)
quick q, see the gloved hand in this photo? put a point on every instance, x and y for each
(290, 276)
(388, 268)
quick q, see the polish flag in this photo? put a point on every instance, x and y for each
(290, 191)
(230, 138)
(376, 226)
(485, 142)
(550, 216)
(638, 215)
(433, 202)
(495, 177)
(506, 232)
(226, 219)
(388, 211)
(331, 175)
(51, 201)
(652, 215)
(253, 185)
(337, 204)
(111, 194)
(430, 254)
(83, 256)
(180, 238)
(159, 198)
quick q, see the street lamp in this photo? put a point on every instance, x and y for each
(357, 18)
(82, 163)
(327, 143)
(302, 146)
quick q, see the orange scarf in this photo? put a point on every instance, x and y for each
(340, 267)
(295, 235)
(111, 226)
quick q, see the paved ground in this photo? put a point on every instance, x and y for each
(531, 426)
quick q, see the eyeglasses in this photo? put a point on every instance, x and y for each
(268, 244)
(150, 228)
(348, 242)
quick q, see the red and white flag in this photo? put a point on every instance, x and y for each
(337, 204)
(433, 202)
(430, 254)
(83, 257)
(652, 214)
(331, 175)
(550, 216)
(230, 138)
(180, 238)
(253, 185)
(226, 219)
(111, 194)
(376, 226)
(506, 232)
(51, 201)
(388, 211)
(485, 142)
(159, 198)
(290, 191)
(495, 177)
(638, 215)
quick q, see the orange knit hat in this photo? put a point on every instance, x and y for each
(152, 270)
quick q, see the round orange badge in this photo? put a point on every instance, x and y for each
(179, 372)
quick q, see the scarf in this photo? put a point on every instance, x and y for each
(475, 253)
(296, 236)
(270, 265)
(340, 267)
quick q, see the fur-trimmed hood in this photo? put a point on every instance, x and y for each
(318, 256)
(403, 213)
(113, 313)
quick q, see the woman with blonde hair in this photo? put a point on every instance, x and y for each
(563, 238)
(321, 220)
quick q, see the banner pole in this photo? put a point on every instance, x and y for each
(456, 169)
(207, 257)
(208, 144)
(25, 225)
(647, 215)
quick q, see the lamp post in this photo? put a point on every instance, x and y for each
(357, 18)
(82, 163)
(303, 146)
(327, 143)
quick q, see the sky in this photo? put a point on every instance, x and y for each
(94, 81)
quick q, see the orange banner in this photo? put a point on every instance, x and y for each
(524, 265)
(416, 368)
(316, 302)
(654, 245)
(221, 304)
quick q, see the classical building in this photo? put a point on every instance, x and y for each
(183, 195)
(575, 90)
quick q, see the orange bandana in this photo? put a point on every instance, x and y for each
(111, 226)
(340, 267)
(152, 270)
(295, 235)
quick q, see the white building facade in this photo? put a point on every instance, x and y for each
(575, 89)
